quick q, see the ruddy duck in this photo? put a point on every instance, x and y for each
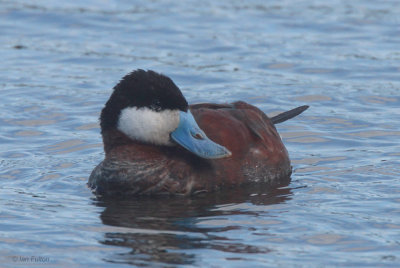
(156, 143)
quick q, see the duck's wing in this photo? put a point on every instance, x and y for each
(257, 149)
(233, 119)
(282, 117)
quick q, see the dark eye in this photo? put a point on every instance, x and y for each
(197, 136)
(156, 106)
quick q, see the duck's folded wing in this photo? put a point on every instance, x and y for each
(282, 117)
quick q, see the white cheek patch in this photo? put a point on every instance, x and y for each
(148, 126)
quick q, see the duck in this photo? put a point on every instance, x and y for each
(155, 143)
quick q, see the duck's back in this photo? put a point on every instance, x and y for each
(258, 156)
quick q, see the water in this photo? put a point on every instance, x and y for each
(60, 60)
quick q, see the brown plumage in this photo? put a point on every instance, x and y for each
(258, 155)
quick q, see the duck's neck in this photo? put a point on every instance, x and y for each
(113, 138)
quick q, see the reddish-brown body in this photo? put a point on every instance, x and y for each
(258, 156)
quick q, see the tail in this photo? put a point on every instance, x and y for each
(288, 115)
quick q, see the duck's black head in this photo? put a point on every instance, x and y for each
(142, 89)
(149, 108)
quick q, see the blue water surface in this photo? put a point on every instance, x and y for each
(60, 60)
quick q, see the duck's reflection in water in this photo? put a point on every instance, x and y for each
(166, 230)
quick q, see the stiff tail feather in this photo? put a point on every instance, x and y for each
(288, 115)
